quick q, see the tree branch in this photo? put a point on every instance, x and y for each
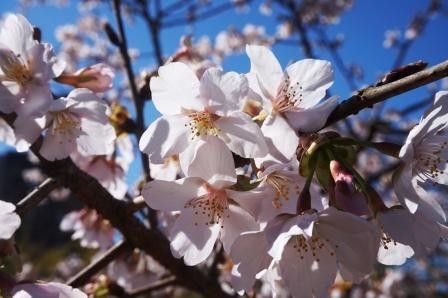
(366, 98)
(36, 196)
(82, 277)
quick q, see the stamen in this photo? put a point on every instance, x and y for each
(15, 68)
(67, 124)
(287, 97)
(202, 124)
(281, 185)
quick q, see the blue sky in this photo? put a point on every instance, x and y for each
(363, 27)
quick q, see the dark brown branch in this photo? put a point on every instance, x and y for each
(138, 101)
(84, 276)
(369, 96)
(153, 25)
(36, 196)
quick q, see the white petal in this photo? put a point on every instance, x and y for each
(266, 66)
(249, 253)
(355, 241)
(9, 221)
(38, 100)
(395, 254)
(17, 33)
(242, 135)
(57, 146)
(165, 137)
(282, 145)
(176, 88)
(191, 238)
(314, 118)
(211, 161)
(223, 91)
(171, 195)
(237, 222)
(310, 78)
(96, 139)
(304, 275)
(27, 130)
(8, 100)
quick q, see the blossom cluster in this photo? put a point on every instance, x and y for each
(240, 161)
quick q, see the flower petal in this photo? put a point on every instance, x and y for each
(165, 137)
(172, 195)
(191, 238)
(176, 88)
(9, 221)
(242, 135)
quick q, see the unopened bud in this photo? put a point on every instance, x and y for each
(97, 78)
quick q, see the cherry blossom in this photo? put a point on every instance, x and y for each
(424, 160)
(193, 109)
(76, 123)
(97, 78)
(9, 220)
(26, 67)
(205, 203)
(290, 99)
(47, 290)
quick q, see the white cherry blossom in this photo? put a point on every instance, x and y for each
(47, 290)
(206, 204)
(77, 123)
(424, 158)
(9, 220)
(26, 67)
(291, 99)
(193, 109)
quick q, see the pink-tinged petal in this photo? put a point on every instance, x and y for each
(9, 221)
(355, 241)
(221, 91)
(172, 195)
(249, 254)
(281, 139)
(96, 139)
(46, 290)
(57, 146)
(191, 238)
(280, 230)
(314, 118)
(242, 135)
(236, 222)
(310, 79)
(17, 33)
(38, 100)
(394, 254)
(27, 130)
(307, 275)
(266, 66)
(251, 200)
(8, 100)
(56, 64)
(176, 88)
(165, 137)
(211, 161)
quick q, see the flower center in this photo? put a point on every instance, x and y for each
(288, 96)
(14, 67)
(281, 185)
(315, 246)
(430, 162)
(202, 124)
(212, 205)
(66, 123)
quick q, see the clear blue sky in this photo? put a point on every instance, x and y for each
(363, 27)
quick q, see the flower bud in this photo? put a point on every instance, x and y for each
(97, 78)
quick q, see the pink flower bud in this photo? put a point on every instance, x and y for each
(347, 197)
(97, 78)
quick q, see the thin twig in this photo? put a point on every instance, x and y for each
(369, 96)
(36, 196)
(83, 277)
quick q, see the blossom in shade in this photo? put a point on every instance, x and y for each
(76, 123)
(193, 109)
(26, 67)
(309, 249)
(46, 290)
(9, 220)
(291, 98)
(424, 158)
(208, 208)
